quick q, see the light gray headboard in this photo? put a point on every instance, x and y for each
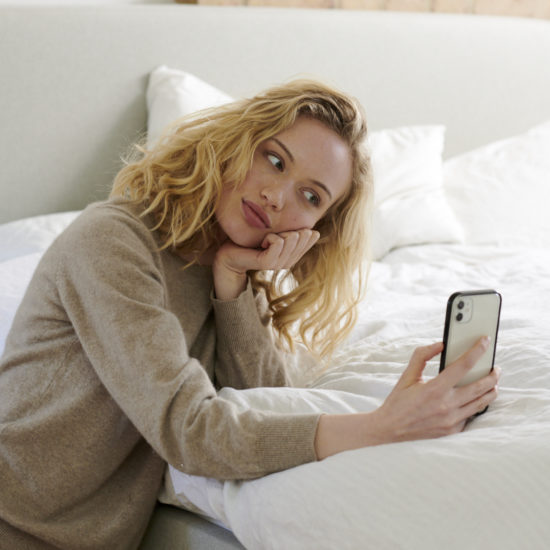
(72, 79)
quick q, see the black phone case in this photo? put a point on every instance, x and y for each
(459, 335)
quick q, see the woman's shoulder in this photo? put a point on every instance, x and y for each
(111, 219)
(108, 229)
(114, 211)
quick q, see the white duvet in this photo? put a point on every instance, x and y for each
(486, 488)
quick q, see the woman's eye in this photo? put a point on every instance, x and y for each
(312, 197)
(276, 161)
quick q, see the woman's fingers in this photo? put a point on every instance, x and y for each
(477, 395)
(283, 250)
(472, 398)
(272, 246)
(417, 364)
(278, 251)
(453, 373)
(480, 404)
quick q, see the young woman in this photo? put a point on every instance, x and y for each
(239, 233)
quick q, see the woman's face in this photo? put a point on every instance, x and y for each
(295, 177)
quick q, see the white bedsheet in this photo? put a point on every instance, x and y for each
(486, 488)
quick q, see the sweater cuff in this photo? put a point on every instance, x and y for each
(241, 314)
(287, 441)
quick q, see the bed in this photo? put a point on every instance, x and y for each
(459, 111)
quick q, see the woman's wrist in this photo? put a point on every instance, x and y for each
(228, 283)
(345, 432)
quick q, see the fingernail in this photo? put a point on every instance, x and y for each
(485, 341)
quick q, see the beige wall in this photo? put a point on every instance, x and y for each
(523, 8)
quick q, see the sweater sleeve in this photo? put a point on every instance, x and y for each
(247, 356)
(110, 283)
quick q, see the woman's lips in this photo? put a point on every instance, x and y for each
(255, 216)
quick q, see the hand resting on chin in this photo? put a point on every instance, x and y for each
(277, 251)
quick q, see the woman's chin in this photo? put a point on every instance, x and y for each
(248, 242)
(247, 239)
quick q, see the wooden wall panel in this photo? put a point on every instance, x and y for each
(518, 8)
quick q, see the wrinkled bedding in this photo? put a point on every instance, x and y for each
(488, 487)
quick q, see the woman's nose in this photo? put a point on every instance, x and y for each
(274, 195)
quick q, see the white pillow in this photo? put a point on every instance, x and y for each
(172, 94)
(15, 275)
(501, 192)
(33, 234)
(410, 203)
(22, 243)
(411, 207)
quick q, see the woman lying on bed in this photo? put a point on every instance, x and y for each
(152, 300)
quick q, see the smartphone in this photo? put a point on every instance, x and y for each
(469, 316)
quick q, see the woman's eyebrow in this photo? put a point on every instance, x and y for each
(290, 156)
(284, 148)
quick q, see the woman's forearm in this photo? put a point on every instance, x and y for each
(344, 432)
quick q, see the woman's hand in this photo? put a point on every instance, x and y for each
(415, 409)
(278, 251)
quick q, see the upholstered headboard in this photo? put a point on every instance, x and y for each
(73, 79)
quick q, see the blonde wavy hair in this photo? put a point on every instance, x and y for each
(180, 180)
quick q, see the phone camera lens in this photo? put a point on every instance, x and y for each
(459, 317)
(460, 304)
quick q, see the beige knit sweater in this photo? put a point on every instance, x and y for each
(110, 370)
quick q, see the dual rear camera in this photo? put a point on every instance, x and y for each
(459, 315)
